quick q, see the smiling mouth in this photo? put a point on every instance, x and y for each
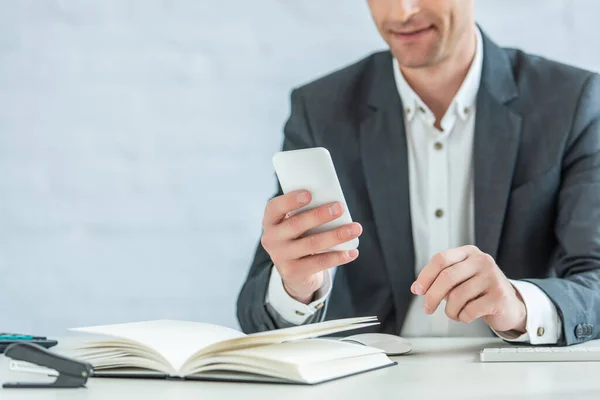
(412, 35)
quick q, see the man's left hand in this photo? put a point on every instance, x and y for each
(473, 287)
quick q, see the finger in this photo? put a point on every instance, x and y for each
(478, 308)
(321, 262)
(437, 264)
(447, 280)
(464, 293)
(297, 225)
(279, 206)
(319, 242)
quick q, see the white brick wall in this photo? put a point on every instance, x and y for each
(136, 137)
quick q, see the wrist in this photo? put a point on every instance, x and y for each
(522, 313)
(301, 296)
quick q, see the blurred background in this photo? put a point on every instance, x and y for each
(136, 141)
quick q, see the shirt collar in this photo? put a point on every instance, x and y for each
(464, 100)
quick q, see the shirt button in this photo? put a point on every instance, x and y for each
(438, 146)
(319, 306)
(300, 313)
(466, 110)
(439, 213)
(541, 331)
(422, 110)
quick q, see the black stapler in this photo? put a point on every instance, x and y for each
(71, 373)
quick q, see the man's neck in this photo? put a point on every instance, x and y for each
(437, 85)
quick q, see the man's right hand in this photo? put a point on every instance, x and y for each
(294, 255)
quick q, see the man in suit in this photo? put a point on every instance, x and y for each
(472, 173)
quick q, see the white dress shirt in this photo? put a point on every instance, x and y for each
(442, 212)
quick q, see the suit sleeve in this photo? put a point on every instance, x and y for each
(254, 314)
(575, 290)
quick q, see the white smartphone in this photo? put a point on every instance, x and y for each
(313, 170)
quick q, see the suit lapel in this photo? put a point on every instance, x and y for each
(385, 160)
(497, 135)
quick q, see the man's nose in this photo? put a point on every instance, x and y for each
(403, 10)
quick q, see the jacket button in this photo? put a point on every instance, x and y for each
(579, 331)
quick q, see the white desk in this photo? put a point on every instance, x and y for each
(436, 369)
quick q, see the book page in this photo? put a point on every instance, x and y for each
(176, 341)
(311, 330)
(308, 360)
(300, 352)
(288, 334)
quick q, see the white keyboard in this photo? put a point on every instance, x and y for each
(540, 354)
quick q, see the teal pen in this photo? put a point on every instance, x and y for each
(20, 337)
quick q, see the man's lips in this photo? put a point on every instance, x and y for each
(413, 34)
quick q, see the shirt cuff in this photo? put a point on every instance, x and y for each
(543, 324)
(291, 309)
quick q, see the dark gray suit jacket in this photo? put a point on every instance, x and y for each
(536, 177)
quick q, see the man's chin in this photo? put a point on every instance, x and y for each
(414, 61)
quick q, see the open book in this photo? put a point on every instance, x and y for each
(194, 350)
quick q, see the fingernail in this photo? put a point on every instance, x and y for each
(418, 289)
(353, 230)
(352, 254)
(303, 198)
(427, 309)
(335, 209)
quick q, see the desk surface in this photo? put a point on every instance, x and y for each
(436, 368)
